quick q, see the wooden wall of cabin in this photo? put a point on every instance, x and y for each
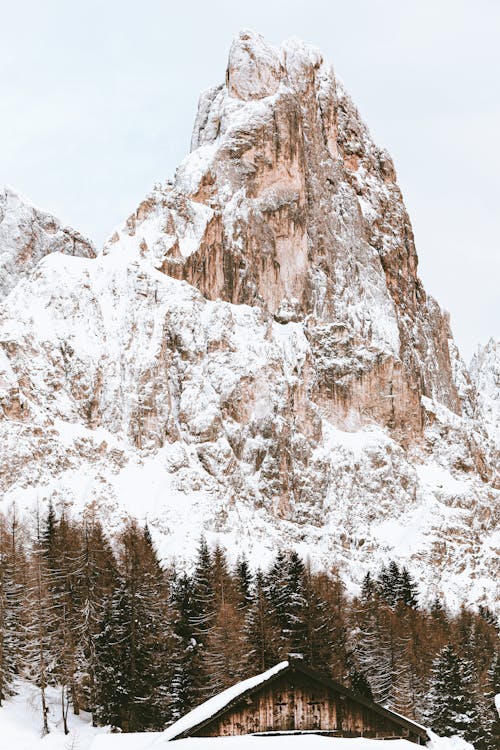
(296, 703)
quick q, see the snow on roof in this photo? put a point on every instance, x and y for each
(218, 702)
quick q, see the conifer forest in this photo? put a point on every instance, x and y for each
(138, 644)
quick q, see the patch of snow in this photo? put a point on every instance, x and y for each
(21, 723)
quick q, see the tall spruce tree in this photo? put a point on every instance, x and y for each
(96, 573)
(450, 706)
(186, 657)
(490, 714)
(261, 630)
(132, 656)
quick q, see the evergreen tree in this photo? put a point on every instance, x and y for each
(450, 707)
(203, 593)
(223, 655)
(285, 592)
(368, 588)
(389, 583)
(407, 591)
(132, 657)
(321, 637)
(187, 679)
(359, 683)
(243, 584)
(489, 715)
(96, 574)
(261, 631)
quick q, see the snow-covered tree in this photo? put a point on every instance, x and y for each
(451, 709)
(260, 629)
(132, 657)
(185, 655)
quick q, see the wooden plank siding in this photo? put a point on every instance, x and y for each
(296, 703)
(297, 699)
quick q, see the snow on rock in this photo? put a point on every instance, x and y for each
(252, 355)
(27, 234)
(485, 373)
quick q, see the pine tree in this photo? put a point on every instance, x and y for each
(187, 679)
(132, 657)
(389, 583)
(261, 630)
(62, 558)
(407, 591)
(368, 588)
(320, 635)
(375, 648)
(359, 683)
(96, 574)
(489, 715)
(243, 583)
(285, 591)
(203, 593)
(450, 707)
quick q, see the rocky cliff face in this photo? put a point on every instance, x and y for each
(27, 235)
(253, 353)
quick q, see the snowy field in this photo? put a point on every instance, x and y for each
(21, 722)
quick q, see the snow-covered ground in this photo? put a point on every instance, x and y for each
(21, 723)
(249, 742)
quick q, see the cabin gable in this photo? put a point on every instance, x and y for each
(298, 699)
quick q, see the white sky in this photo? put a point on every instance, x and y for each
(97, 101)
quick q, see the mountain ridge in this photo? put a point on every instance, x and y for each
(253, 351)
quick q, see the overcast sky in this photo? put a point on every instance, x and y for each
(97, 101)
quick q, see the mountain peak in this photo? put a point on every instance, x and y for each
(253, 355)
(254, 69)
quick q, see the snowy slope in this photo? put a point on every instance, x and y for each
(253, 355)
(21, 723)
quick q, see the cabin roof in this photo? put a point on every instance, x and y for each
(219, 704)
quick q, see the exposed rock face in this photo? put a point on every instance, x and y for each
(27, 235)
(254, 355)
(290, 206)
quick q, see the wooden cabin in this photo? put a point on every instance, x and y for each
(292, 698)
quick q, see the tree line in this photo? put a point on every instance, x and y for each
(138, 643)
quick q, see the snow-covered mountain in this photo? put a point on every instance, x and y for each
(485, 374)
(253, 354)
